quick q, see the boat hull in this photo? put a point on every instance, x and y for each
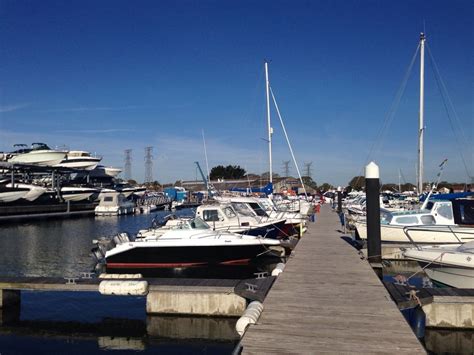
(271, 231)
(420, 234)
(147, 257)
(450, 276)
(80, 164)
(39, 157)
(10, 195)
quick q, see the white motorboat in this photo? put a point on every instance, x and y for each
(77, 193)
(434, 225)
(448, 265)
(184, 243)
(114, 204)
(79, 159)
(264, 209)
(225, 216)
(38, 154)
(33, 191)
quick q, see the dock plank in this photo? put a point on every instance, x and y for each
(328, 300)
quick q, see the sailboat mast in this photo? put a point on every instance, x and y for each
(269, 127)
(422, 109)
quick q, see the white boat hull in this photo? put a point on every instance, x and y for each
(80, 165)
(420, 234)
(33, 193)
(10, 196)
(450, 276)
(445, 265)
(76, 193)
(39, 157)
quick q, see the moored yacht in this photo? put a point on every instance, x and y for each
(184, 243)
(436, 225)
(225, 217)
(448, 265)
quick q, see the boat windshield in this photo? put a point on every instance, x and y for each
(258, 209)
(198, 223)
(243, 209)
(39, 146)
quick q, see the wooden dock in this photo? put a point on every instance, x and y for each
(329, 300)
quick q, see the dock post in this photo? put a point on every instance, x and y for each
(339, 199)
(372, 186)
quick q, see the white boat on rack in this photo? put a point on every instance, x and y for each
(79, 159)
(33, 191)
(38, 154)
(450, 265)
(10, 194)
(77, 193)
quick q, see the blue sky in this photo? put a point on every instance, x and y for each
(105, 76)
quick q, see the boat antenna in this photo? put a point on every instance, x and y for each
(441, 166)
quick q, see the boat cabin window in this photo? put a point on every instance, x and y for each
(445, 210)
(428, 219)
(407, 220)
(210, 215)
(242, 209)
(258, 209)
(108, 198)
(229, 212)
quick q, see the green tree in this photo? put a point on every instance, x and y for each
(227, 172)
(357, 183)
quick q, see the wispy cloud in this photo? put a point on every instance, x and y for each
(110, 130)
(10, 108)
(98, 108)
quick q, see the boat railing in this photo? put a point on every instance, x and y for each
(407, 230)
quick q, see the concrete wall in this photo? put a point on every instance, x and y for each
(197, 303)
(450, 312)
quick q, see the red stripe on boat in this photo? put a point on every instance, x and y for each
(236, 262)
(151, 265)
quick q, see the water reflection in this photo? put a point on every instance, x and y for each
(449, 341)
(96, 323)
(60, 247)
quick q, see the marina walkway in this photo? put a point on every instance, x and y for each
(329, 300)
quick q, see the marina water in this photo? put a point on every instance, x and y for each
(79, 322)
(83, 322)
